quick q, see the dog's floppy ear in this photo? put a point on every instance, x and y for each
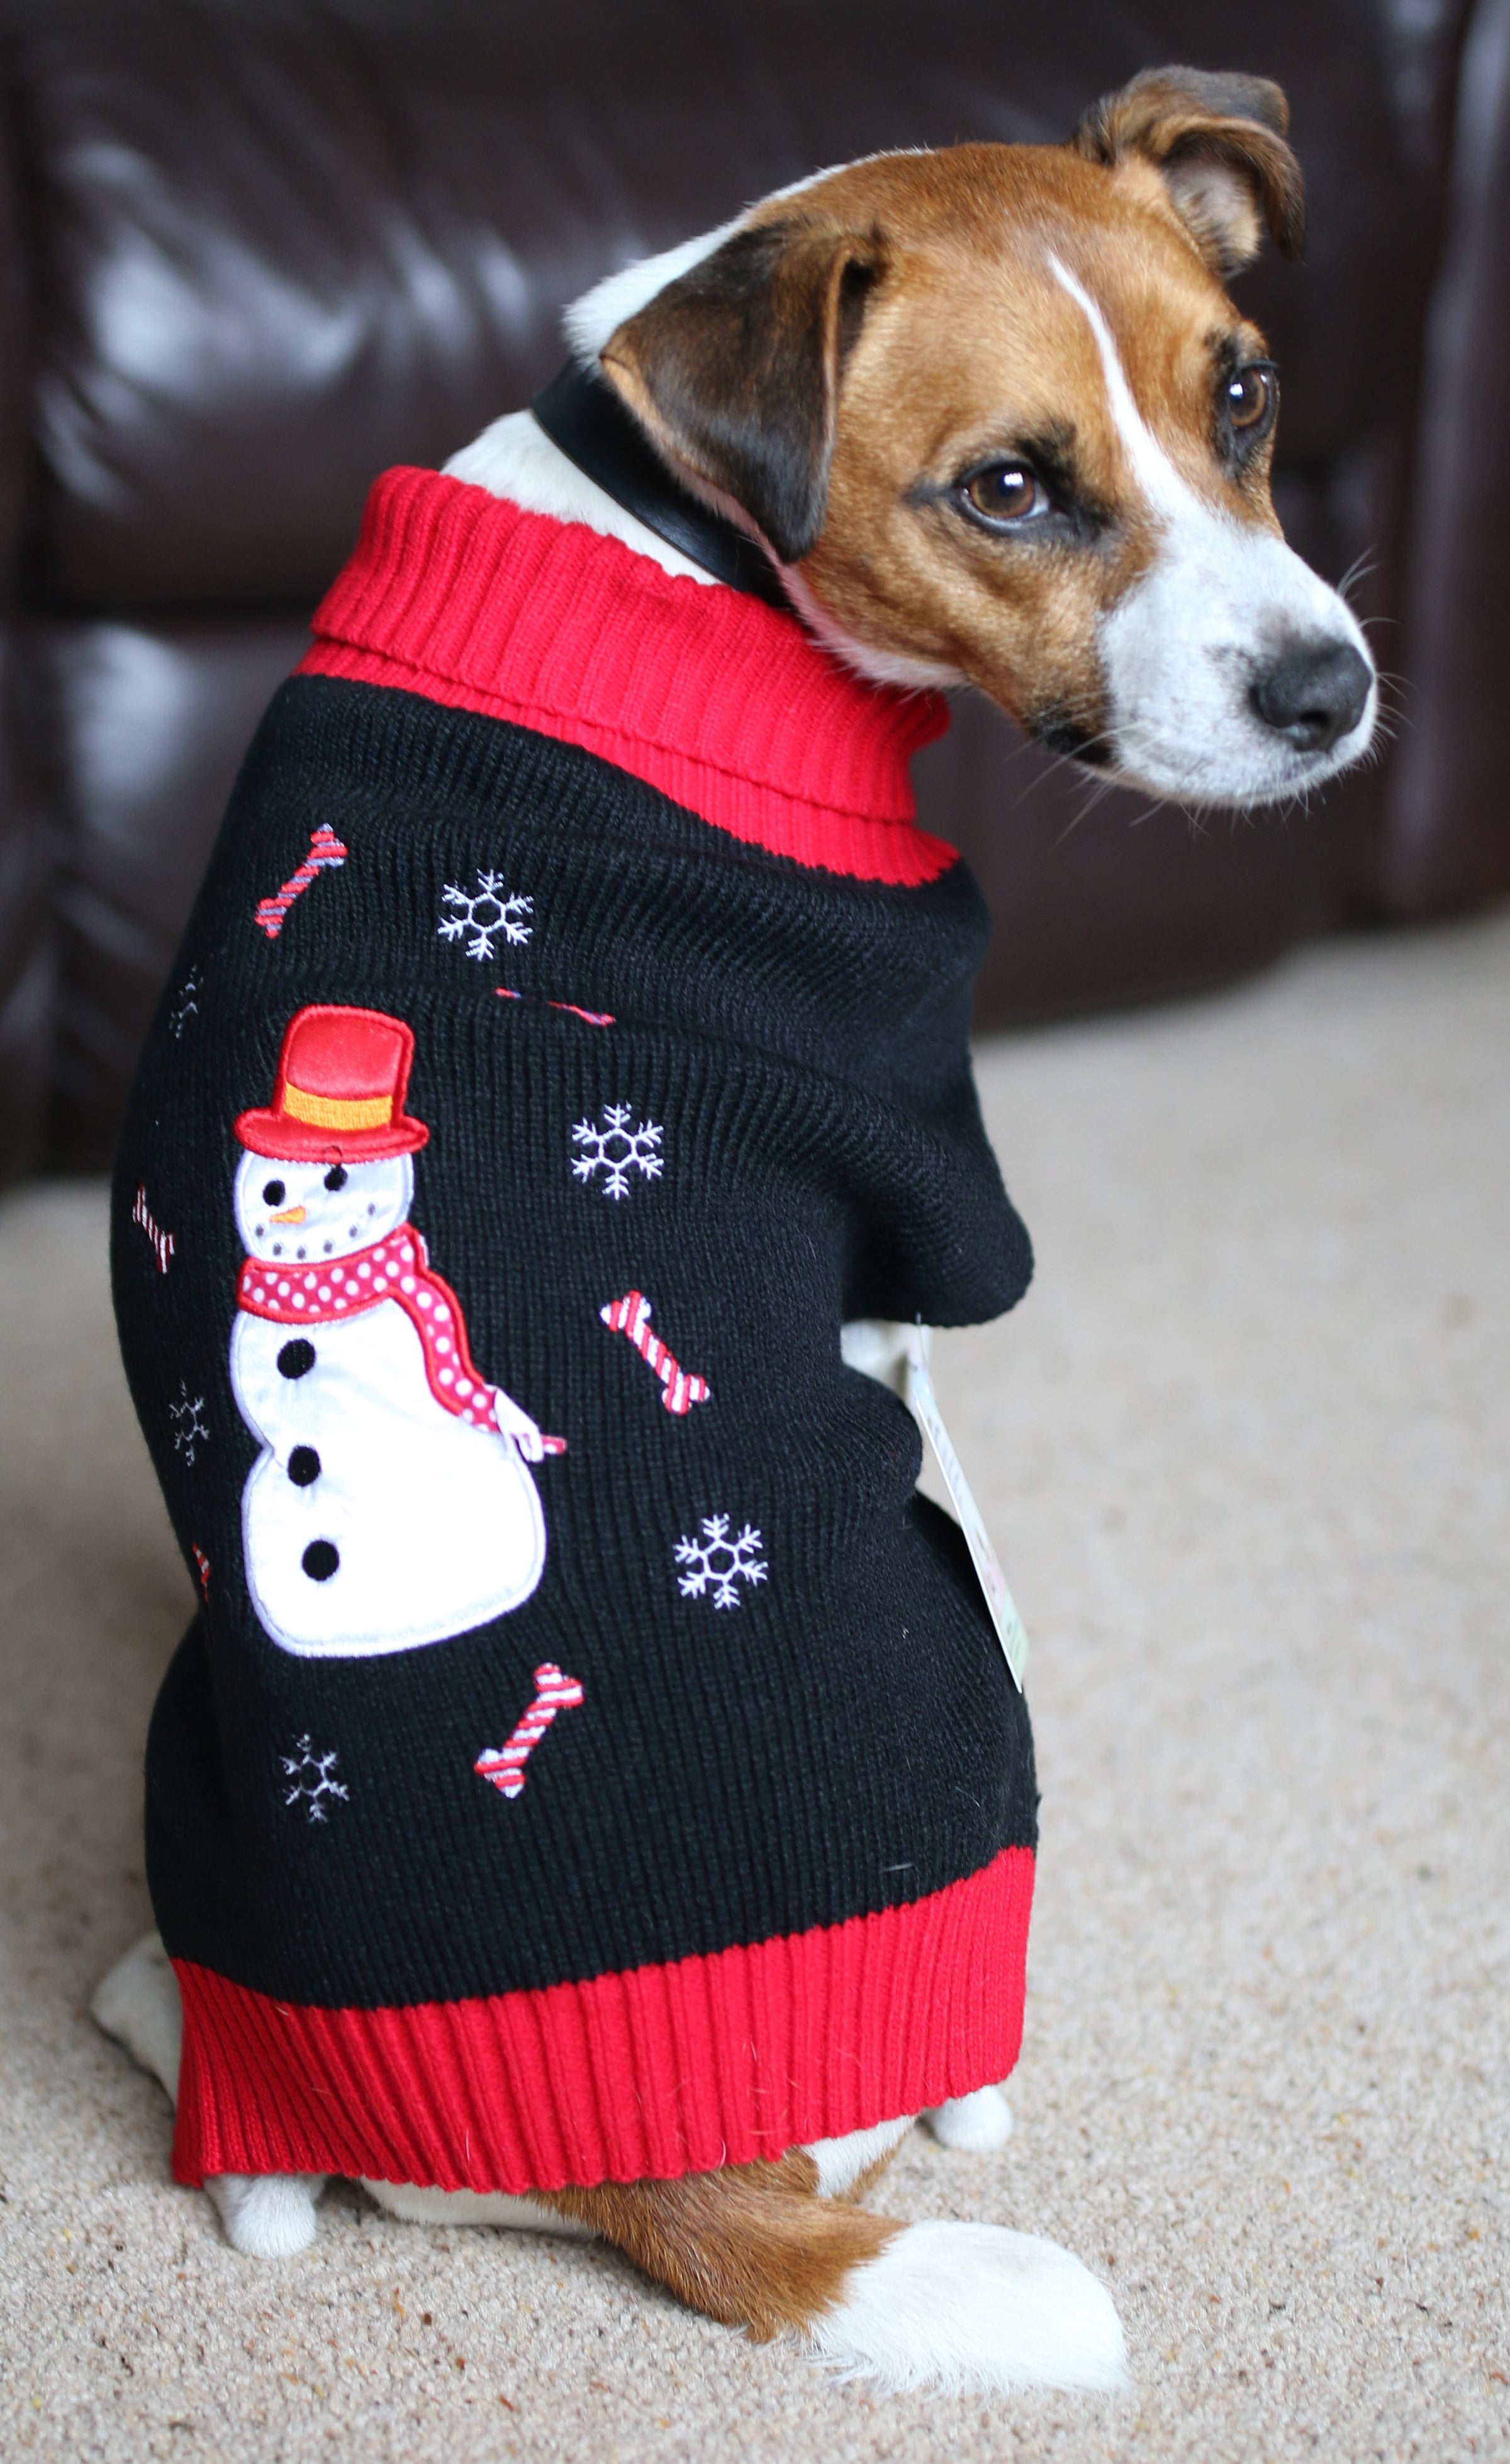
(734, 369)
(1218, 143)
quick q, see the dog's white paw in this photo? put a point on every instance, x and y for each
(267, 2215)
(966, 2305)
(975, 2123)
(419, 2206)
(139, 2005)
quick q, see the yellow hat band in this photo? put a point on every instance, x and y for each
(337, 1111)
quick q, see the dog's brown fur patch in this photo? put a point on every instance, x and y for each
(971, 347)
(1218, 142)
(909, 326)
(751, 2245)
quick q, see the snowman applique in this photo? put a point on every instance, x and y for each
(392, 1504)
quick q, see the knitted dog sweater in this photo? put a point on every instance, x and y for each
(589, 1759)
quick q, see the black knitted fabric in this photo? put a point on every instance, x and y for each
(845, 1739)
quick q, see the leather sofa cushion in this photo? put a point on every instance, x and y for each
(142, 728)
(1447, 839)
(288, 245)
(28, 956)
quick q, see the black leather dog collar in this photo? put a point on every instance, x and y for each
(589, 423)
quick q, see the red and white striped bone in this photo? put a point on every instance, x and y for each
(504, 1765)
(162, 1243)
(324, 849)
(631, 1316)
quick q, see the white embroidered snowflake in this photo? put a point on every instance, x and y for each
(483, 913)
(718, 1560)
(312, 1776)
(191, 1428)
(616, 1150)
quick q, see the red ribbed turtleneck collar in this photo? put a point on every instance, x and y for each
(725, 705)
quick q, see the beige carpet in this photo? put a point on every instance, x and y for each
(1245, 1448)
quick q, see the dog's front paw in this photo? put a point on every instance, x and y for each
(267, 2215)
(973, 2123)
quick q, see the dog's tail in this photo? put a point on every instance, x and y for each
(908, 2305)
(965, 2305)
(752, 2245)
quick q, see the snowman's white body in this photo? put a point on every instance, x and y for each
(436, 1524)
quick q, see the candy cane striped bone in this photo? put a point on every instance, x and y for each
(162, 1243)
(631, 1316)
(593, 1017)
(324, 849)
(504, 1765)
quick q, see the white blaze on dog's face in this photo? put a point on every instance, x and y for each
(995, 414)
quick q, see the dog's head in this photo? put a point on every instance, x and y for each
(994, 413)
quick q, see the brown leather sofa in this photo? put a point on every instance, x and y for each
(253, 251)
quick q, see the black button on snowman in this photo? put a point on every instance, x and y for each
(392, 1504)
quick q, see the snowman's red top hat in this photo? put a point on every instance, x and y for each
(343, 1077)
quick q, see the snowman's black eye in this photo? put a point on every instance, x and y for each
(336, 1177)
(274, 1192)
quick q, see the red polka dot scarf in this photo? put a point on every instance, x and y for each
(398, 1270)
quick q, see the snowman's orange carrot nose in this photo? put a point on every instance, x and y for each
(290, 1215)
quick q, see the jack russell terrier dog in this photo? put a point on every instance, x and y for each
(594, 925)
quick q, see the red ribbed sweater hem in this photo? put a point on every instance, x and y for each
(727, 706)
(663, 2071)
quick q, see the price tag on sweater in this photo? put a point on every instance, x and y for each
(1010, 1632)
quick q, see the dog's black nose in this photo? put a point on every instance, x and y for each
(1312, 694)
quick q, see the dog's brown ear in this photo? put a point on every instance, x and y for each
(733, 370)
(1218, 143)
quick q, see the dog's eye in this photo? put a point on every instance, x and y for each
(1005, 492)
(1250, 399)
